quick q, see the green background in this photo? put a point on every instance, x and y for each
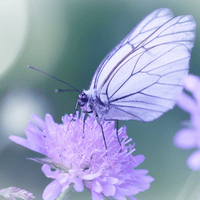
(68, 39)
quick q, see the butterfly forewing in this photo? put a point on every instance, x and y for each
(147, 26)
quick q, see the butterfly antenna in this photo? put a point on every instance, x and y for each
(60, 90)
(54, 78)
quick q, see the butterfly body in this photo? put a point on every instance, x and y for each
(91, 103)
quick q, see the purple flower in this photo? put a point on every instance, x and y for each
(83, 161)
(12, 193)
(189, 137)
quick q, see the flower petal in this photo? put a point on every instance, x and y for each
(119, 196)
(78, 184)
(185, 102)
(50, 124)
(139, 159)
(40, 122)
(96, 186)
(91, 176)
(193, 161)
(52, 191)
(111, 180)
(97, 196)
(48, 173)
(132, 198)
(108, 189)
(28, 144)
(33, 128)
(37, 139)
(141, 180)
(195, 119)
(192, 84)
(185, 139)
(129, 189)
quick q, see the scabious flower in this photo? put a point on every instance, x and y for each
(189, 137)
(82, 160)
(13, 193)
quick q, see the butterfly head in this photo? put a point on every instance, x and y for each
(82, 99)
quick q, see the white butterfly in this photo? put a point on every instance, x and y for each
(137, 79)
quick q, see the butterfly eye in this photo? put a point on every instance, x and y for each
(82, 99)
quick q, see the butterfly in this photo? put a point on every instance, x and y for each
(138, 78)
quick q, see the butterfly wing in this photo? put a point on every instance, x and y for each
(140, 75)
(143, 29)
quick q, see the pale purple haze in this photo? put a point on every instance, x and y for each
(189, 137)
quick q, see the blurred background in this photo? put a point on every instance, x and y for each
(68, 39)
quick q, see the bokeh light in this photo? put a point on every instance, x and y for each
(13, 29)
(16, 107)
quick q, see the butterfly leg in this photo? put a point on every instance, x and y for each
(84, 119)
(76, 108)
(118, 133)
(104, 139)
